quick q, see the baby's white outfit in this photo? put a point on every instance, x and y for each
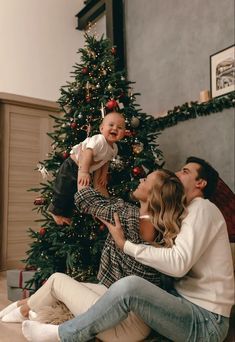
(102, 151)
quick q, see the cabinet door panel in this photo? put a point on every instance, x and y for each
(24, 144)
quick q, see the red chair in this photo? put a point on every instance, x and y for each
(224, 199)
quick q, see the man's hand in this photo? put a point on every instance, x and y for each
(116, 231)
(61, 220)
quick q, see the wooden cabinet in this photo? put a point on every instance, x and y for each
(24, 123)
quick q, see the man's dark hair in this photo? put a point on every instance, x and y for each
(206, 172)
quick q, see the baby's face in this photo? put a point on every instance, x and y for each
(113, 127)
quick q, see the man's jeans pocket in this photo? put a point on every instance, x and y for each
(217, 317)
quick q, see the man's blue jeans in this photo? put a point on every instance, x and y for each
(169, 314)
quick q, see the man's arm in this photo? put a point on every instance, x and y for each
(194, 238)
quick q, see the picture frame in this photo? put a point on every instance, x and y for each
(222, 72)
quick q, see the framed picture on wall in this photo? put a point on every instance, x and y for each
(222, 71)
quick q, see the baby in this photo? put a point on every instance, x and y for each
(91, 156)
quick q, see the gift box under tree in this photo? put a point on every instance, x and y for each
(17, 284)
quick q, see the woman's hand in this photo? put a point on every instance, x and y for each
(116, 231)
(84, 178)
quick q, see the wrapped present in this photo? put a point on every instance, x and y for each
(16, 282)
(15, 293)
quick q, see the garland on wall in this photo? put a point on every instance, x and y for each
(194, 109)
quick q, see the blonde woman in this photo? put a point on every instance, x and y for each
(157, 221)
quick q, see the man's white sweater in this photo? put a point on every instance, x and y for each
(200, 258)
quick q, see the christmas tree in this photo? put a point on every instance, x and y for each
(96, 89)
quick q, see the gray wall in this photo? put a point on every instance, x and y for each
(207, 137)
(168, 45)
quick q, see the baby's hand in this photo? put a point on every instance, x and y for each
(84, 178)
(61, 220)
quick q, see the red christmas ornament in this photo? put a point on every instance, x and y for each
(138, 171)
(42, 231)
(39, 201)
(73, 125)
(88, 98)
(85, 70)
(113, 50)
(65, 155)
(129, 133)
(102, 228)
(111, 104)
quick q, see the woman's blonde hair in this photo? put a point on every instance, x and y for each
(166, 205)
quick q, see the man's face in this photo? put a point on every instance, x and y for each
(142, 191)
(188, 176)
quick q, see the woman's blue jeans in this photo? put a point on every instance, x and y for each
(167, 313)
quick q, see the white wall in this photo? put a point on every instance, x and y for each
(39, 42)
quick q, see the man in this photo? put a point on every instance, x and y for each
(200, 260)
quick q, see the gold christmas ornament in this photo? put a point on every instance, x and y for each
(135, 122)
(137, 147)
